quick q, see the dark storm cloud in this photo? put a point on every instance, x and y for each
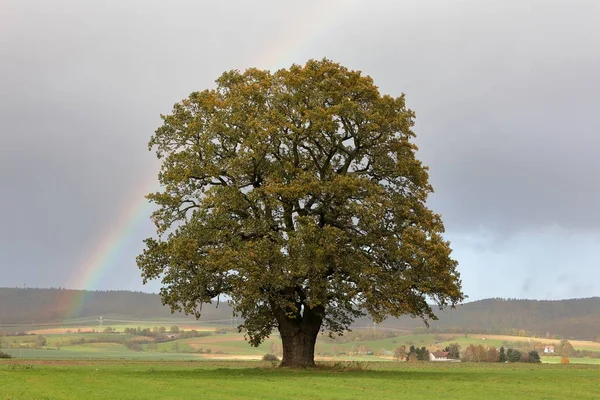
(82, 86)
(505, 94)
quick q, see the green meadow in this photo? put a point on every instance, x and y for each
(224, 343)
(73, 362)
(258, 380)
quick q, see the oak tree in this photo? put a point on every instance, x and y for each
(296, 195)
(400, 353)
(453, 351)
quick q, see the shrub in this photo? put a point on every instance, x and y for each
(4, 355)
(270, 357)
(564, 360)
(534, 357)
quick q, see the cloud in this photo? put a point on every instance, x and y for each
(505, 94)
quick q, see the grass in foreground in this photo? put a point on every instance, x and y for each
(244, 380)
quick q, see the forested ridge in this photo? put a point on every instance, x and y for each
(55, 305)
(573, 318)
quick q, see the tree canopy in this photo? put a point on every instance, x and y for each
(297, 195)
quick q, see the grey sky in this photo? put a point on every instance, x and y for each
(505, 94)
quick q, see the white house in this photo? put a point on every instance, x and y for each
(438, 356)
(548, 349)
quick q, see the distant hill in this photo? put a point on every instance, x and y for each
(575, 318)
(38, 306)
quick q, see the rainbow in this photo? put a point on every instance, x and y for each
(102, 260)
(295, 45)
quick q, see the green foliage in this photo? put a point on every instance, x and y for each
(298, 195)
(502, 355)
(534, 357)
(40, 341)
(453, 351)
(565, 349)
(513, 355)
(418, 354)
(4, 355)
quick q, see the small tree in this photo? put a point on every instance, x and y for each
(174, 329)
(40, 341)
(423, 354)
(480, 354)
(468, 354)
(513, 355)
(400, 353)
(492, 355)
(534, 357)
(502, 355)
(453, 351)
(566, 349)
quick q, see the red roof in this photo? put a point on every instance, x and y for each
(440, 354)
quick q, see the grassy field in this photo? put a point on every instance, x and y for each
(572, 360)
(84, 340)
(63, 342)
(257, 380)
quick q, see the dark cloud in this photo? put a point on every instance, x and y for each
(505, 94)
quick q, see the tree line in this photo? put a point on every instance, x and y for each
(560, 319)
(472, 353)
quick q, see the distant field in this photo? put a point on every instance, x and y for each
(64, 342)
(556, 360)
(578, 344)
(257, 380)
(93, 354)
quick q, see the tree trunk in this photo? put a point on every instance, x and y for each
(298, 336)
